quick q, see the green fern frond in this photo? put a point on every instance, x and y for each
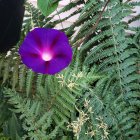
(35, 124)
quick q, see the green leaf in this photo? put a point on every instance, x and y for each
(47, 6)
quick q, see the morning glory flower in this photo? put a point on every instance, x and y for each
(46, 51)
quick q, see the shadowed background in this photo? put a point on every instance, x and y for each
(11, 16)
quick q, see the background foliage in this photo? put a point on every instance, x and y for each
(97, 97)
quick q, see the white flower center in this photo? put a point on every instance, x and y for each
(46, 56)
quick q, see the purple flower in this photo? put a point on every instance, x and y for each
(46, 51)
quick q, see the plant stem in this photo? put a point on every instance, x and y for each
(95, 26)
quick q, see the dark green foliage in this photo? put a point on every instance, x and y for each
(105, 74)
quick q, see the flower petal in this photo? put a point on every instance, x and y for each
(56, 65)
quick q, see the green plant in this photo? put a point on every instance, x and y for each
(102, 82)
